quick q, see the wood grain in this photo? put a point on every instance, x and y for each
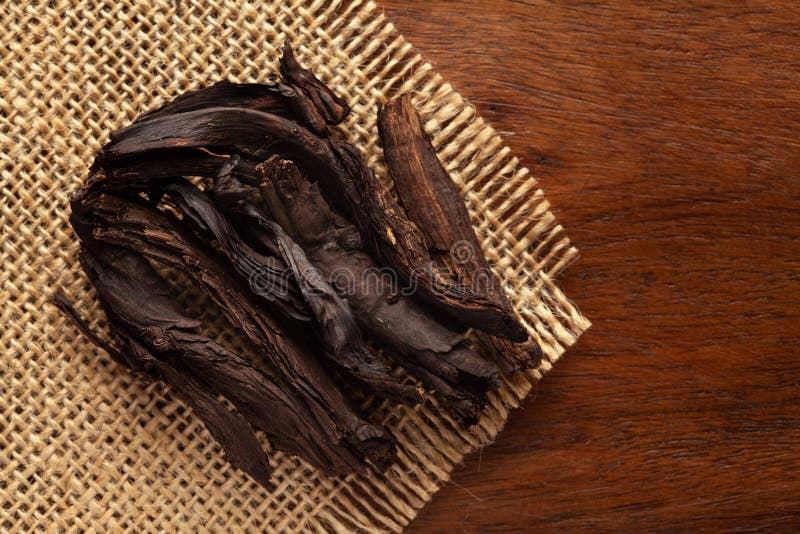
(667, 137)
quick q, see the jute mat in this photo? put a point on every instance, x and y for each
(84, 445)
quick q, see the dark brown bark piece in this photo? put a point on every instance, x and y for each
(270, 97)
(330, 106)
(224, 130)
(278, 98)
(229, 429)
(510, 356)
(464, 405)
(302, 97)
(434, 202)
(135, 173)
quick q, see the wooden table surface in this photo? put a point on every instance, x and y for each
(667, 137)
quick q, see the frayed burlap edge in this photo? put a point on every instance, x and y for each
(85, 446)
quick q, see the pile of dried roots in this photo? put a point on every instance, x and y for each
(307, 254)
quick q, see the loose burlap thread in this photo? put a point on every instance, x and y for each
(83, 444)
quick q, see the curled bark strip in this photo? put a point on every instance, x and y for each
(253, 134)
(303, 98)
(270, 97)
(137, 172)
(231, 430)
(276, 98)
(331, 107)
(510, 356)
(434, 202)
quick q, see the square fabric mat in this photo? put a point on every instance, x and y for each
(83, 444)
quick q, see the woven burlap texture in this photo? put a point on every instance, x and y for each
(83, 444)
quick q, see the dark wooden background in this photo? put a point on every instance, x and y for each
(667, 137)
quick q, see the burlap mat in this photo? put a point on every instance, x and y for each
(85, 446)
